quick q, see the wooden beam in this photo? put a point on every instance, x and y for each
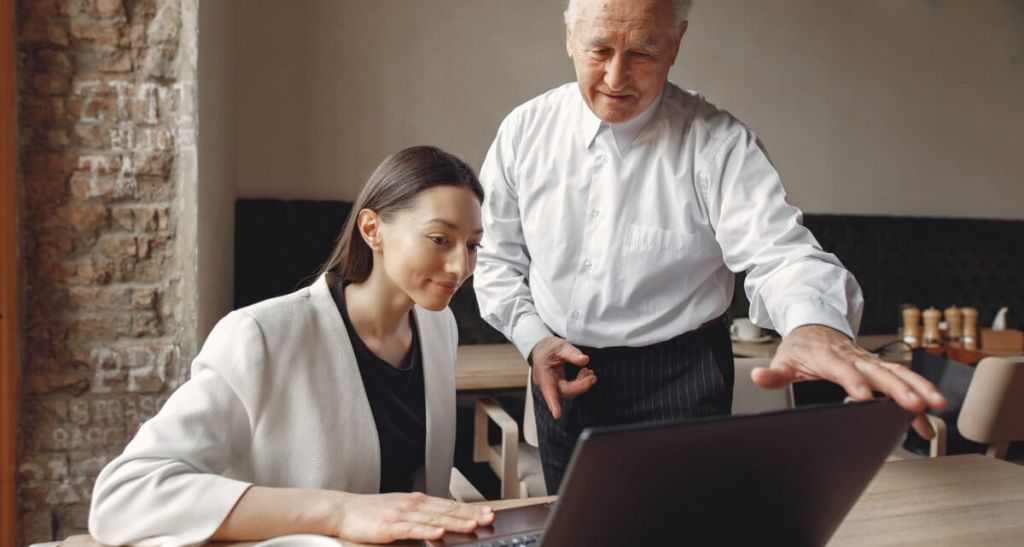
(10, 260)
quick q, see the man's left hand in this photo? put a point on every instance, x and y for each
(817, 352)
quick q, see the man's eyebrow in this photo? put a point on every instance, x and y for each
(645, 41)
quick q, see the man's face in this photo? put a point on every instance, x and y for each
(622, 50)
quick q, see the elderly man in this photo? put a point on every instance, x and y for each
(617, 209)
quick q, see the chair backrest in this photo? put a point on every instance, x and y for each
(750, 398)
(529, 420)
(993, 410)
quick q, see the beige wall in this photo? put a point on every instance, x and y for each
(867, 107)
(217, 178)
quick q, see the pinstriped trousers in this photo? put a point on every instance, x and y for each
(688, 376)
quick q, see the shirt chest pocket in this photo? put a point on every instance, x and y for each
(655, 260)
(649, 240)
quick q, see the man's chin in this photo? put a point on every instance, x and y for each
(613, 114)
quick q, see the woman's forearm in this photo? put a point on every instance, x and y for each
(264, 512)
(364, 518)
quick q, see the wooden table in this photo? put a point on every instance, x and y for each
(957, 500)
(499, 366)
(490, 366)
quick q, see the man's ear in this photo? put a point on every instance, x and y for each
(679, 40)
(369, 224)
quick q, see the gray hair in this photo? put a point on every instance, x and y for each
(680, 7)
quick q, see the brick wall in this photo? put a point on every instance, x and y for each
(107, 155)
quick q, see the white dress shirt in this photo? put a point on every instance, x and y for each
(275, 399)
(628, 235)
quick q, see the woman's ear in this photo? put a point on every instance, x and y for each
(369, 225)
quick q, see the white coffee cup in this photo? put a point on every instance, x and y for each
(745, 329)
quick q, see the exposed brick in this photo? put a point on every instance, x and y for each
(73, 520)
(156, 61)
(153, 219)
(144, 298)
(43, 31)
(108, 9)
(105, 298)
(100, 127)
(51, 84)
(91, 135)
(46, 410)
(103, 33)
(114, 60)
(54, 61)
(51, 138)
(43, 111)
(100, 109)
(49, 163)
(82, 217)
(136, 36)
(166, 24)
(118, 246)
(88, 271)
(98, 327)
(83, 185)
(147, 271)
(124, 218)
(155, 189)
(43, 467)
(154, 163)
(45, 9)
(36, 526)
(87, 464)
(146, 324)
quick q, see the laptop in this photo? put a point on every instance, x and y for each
(784, 477)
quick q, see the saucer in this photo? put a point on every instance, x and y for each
(300, 540)
(758, 340)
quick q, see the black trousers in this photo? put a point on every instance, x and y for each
(688, 376)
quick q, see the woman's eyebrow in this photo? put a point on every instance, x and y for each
(451, 225)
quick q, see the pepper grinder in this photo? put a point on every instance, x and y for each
(954, 326)
(912, 326)
(932, 336)
(969, 339)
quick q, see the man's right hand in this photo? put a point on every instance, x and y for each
(548, 358)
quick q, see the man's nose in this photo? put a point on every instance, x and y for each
(616, 74)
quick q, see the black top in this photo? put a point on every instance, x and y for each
(397, 402)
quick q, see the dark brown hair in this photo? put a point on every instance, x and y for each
(394, 186)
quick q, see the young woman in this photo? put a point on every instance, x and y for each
(330, 410)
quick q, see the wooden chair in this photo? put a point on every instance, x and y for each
(993, 409)
(750, 398)
(516, 463)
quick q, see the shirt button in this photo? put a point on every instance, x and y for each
(575, 315)
(601, 159)
(594, 213)
(587, 264)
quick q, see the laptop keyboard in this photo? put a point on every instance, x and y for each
(516, 541)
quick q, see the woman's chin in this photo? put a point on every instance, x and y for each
(432, 302)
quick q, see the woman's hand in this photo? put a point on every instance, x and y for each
(383, 518)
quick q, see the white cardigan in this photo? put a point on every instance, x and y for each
(275, 399)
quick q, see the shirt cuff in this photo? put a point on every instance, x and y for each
(529, 330)
(813, 312)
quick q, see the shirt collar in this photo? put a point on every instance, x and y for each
(625, 132)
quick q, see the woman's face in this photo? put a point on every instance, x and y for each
(429, 249)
